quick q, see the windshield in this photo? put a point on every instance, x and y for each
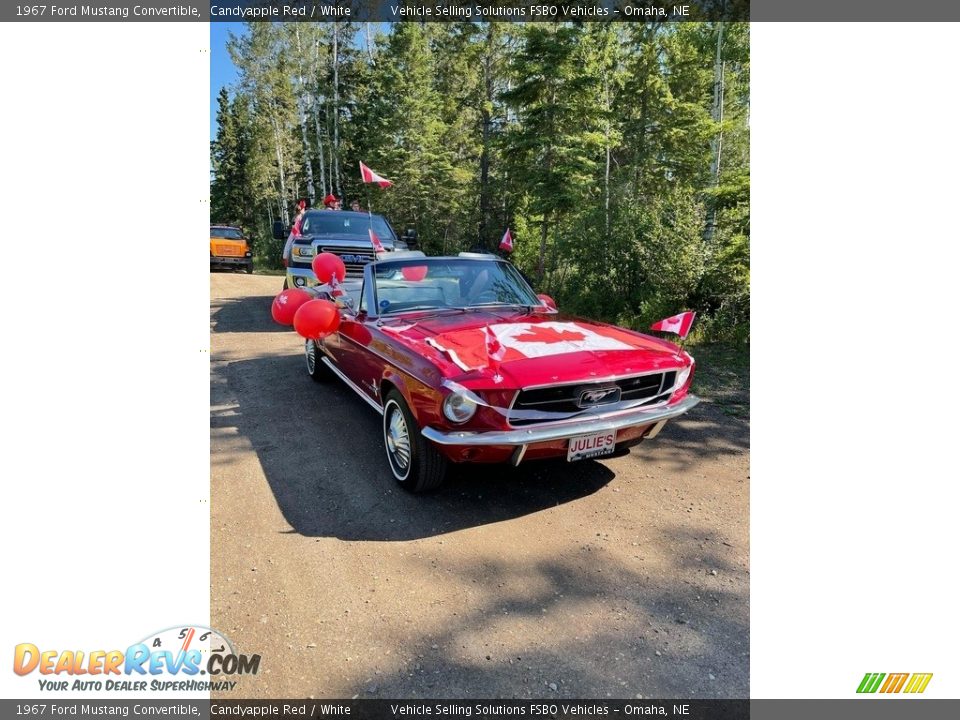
(325, 222)
(439, 283)
(226, 232)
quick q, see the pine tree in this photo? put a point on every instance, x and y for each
(231, 191)
(553, 144)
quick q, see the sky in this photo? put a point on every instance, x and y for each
(222, 70)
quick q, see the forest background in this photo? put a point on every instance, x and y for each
(616, 153)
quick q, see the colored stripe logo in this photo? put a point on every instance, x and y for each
(894, 682)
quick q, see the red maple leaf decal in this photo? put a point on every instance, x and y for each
(548, 335)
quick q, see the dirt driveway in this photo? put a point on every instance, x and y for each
(604, 579)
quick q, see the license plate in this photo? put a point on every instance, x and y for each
(591, 446)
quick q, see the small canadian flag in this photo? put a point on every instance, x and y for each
(495, 351)
(678, 324)
(506, 242)
(375, 241)
(369, 176)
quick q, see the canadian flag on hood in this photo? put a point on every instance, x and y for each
(678, 324)
(506, 243)
(489, 346)
(369, 176)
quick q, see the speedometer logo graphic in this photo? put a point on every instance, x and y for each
(181, 639)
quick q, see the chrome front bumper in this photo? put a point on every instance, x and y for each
(564, 429)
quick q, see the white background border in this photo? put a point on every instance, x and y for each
(105, 463)
(105, 294)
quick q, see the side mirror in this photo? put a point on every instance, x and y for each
(279, 230)
(548, 303)
(410, 238)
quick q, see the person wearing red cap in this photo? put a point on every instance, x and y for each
(301, 211)
(295, 230)
(332, 202)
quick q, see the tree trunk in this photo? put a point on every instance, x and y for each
(302, 112)
(277, 143)
(487, 120)
(319, 135)
(606, 171)
(366, 28)
(318, 100)
(336, 109)
(541, 261)
(716, 145)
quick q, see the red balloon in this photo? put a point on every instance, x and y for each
(316, 319)
(326, 266)
(548, 301)
(286, 304)
(416, 273)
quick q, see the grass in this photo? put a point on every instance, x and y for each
(261, 267)
(723, 375)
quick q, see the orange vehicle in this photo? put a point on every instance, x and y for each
(229, 248)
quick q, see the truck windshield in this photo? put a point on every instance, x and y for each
(226, 232)
(327, 222)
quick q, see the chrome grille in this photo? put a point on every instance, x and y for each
(354, 259)
(570, 400)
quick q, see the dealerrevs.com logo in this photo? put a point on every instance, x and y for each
(894, 683)
(183, 659)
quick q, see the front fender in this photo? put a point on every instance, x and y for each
(423, 400)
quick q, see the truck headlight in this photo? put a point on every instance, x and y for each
(458, 408)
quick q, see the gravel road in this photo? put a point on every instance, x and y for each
(622, 578)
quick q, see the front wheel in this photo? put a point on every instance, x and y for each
(316, 368)
(415, 463)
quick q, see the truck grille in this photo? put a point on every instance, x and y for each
(573, 399)
(354, 259)
(227, 250)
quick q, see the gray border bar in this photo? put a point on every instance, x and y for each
(873, 708)
(416, 10)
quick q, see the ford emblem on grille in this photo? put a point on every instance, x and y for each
(599, 396)
(357, 259)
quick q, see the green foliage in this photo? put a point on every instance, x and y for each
(618, 154)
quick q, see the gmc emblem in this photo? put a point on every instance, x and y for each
(599, 396)
(356, 259)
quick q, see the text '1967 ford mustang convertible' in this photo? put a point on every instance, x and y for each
(467, 364)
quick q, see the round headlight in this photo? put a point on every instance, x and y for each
(458, 408)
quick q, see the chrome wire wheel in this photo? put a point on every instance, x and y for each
(396, 438)
(311, 351)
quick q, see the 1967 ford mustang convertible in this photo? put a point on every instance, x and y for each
(467, 364)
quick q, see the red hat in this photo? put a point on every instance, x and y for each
(301, 204)
(330, 199)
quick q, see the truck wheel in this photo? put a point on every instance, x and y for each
(316, 368)
(414, 462)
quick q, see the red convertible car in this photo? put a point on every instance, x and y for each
(466, 364)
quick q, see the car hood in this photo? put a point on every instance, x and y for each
(530, 348)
